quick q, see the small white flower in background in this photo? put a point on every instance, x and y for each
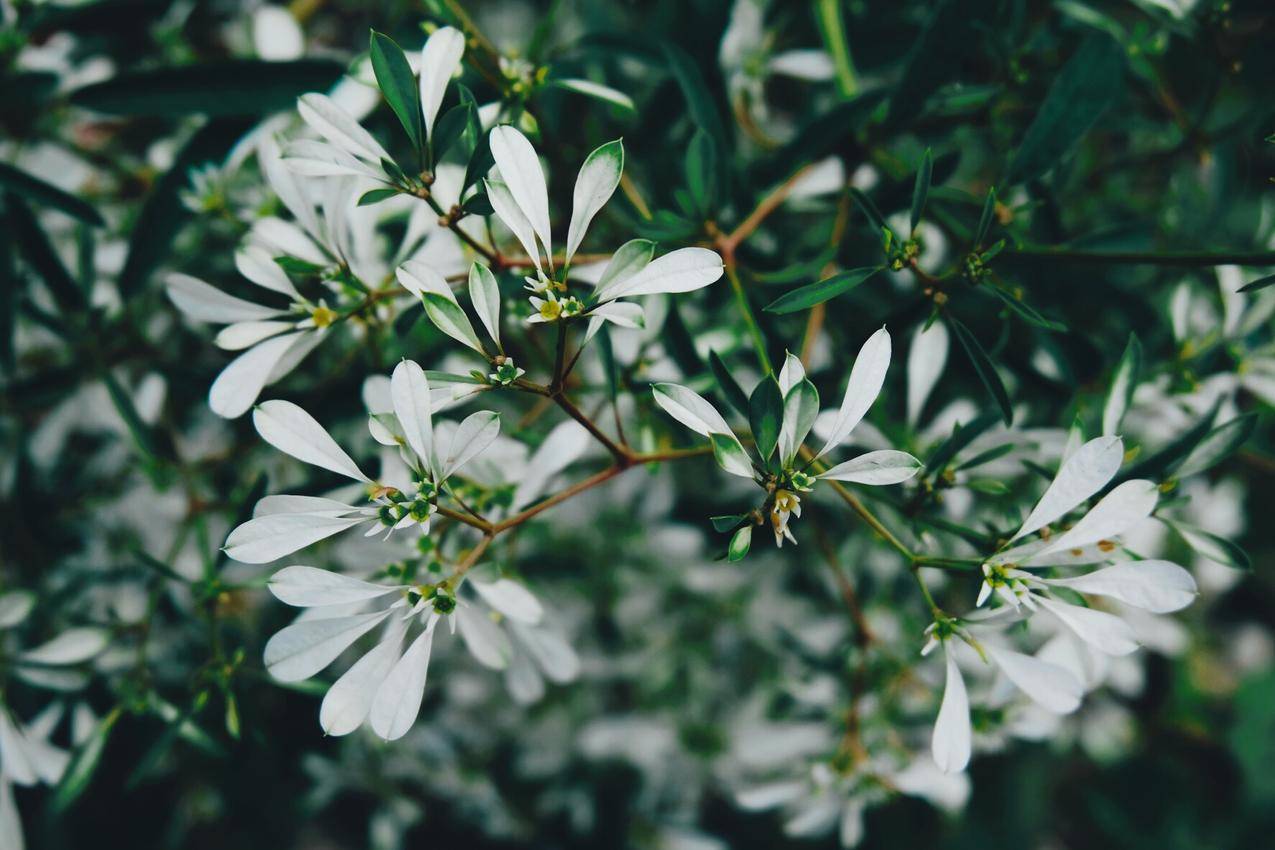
(282, 525)
(499, 625)
(520, 199)
(26, 756)
(796, 408)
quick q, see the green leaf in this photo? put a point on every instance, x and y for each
(1211, 546)
(11, 286)
(79, 771)
(983, 366)
(480, 162)
(143, 435)
(730, 455)
(241, 87)
(816, 293)
(36, 190)
(1260, 283)
(938, 55)
(398, 84)
(870, 210)
(701, 172)
(740, 544)
(699, 101)
(766, 415)
(1025, 311)
(1161, 464)
(37, 251)
(1123, 383)
(1085, 87)
(375, 196)
(163, 214)
(731, 390)
(609, 365)
(449, 129)
(985, 220)
(1221, 443)
(921, 188)
(988, 456)
(478, 204)
(832, 29)
(961, 436)
(449, 318)
(726, 522)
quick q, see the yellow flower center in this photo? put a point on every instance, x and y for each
(323, 316)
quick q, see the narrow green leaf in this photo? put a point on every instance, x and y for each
(1211, 546)
(1260, 283)
(985, 220)
(34, 189)
(143, 435)
(449, 129)
(1086, 86)
(480, 162)
(766, 415)
(37, 251)
(240, 87)
(731, 390)
(84, 763)
(832, 29)
(701, 172)
(398, 84)
(1025, 311)
(983, 366)
(961, 436)
(870, 210)
(1123, 383)
(988, 456)
(727, 522)
(699, 101)
(816, 293)
(1221, 443)
(921, 188)
(609, 366)
(1160, 465)
(937, 57)
(375, 196)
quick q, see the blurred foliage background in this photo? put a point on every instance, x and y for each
(114, 470)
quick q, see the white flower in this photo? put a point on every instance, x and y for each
(798, 401)
(521, 201)
(283, 524)
(385, 687)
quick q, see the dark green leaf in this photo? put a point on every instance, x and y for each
(35, 189)
(1159, 465)
(1086, 86)
(870, 210)
(921, 188)
(985, 220)
(1123, 383)
(1025, 311)
(961, 436)
(398, 84)
(987, 456)
(731, 390)
(79, 771)
(375, 196)
(937, 56)
(143, 435)
(1260, 283)
(37, 251)
(241, 87)
(766, 415)
(727, 522)
(816, 293)
(479, 163)
(699, 101)
(1219, 444)
(448, 129)
(478, 204)
(983, 366)
(701, 172)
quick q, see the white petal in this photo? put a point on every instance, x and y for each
(1085, 473)
(243, 335)
(10, 823)
(348, 701)
(418, 277)
(284, 237)
(550, 650)
(792, 373)
(629, 259)
(337, 126)
(564, 444)
(1120, 510)
(690, 408)
(1050, 686)
(410, 390)
(286, 185)
(520, 170)
(485, 640)
(289, 504)
(241, 382)
(523, 679)
(209, 304)
(398, 699)
(951, 742)
(926, 359)
(268, 538)
(595, 184)
(299, 651)
(507, 210)
(601, 92)
(511, 599)
(292, 431)
(683, 270)
(255, 263)
(316, 159)
(14, 607)
(440, 60)
(71, 647)
(310, 586)
(1104, 632)
(484, 292)
(880, 467)
(770, 795)
(866, 377)
(1156, 586)
(17, 763)
(474, 434)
